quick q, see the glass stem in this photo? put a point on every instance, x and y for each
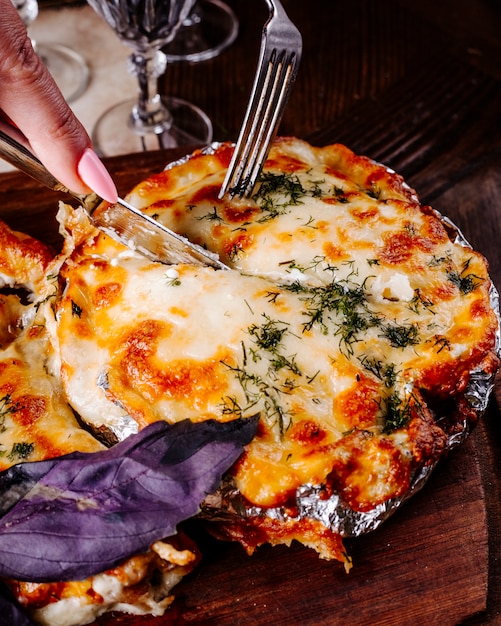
(150, 114)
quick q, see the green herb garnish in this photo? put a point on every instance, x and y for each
(6, 408)
(21, 451)
(397, 413)
(385, 372)
(419, 301)
(466, 283)
(401, 335)
(76, 311)
(211, 216)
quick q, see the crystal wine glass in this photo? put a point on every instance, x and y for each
(150, 121)
(67, 67)
(209, 29)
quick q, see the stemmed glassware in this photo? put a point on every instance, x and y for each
(150, 121)
(68, 68)
(211, 27)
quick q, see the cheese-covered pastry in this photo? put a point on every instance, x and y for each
(351, 321)
(36, 423)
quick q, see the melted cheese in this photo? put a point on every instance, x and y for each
(36, 422)
(35, 417)
(348, 314)
(241, 349)
(348, 318)
(140, 586)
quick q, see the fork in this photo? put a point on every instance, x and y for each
(280, 54)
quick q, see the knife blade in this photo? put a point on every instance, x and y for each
(140, 232)
(122, 221)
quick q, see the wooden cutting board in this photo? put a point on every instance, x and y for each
(429, 562)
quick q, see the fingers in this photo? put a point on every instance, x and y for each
(31, 100)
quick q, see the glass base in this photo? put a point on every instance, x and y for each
(113, 134)
(211, 27)
(68, 69)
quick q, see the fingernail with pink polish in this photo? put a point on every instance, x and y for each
(93, 173)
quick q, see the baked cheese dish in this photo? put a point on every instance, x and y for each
(350, 322)
(36, 422)
(353, 321)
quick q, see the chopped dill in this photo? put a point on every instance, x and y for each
(296, 287)
(442, 343)
(397, 413)
(419, 301)
(373, 192)
(466, 283)
(288, 385)
(353, 323)
(6, 408)
(257, 390)
(280, 361)
(340, 195)
(337, 297)
(269, 335)
(272, 296)
(172, 281)
(316, 189)
(21, 451)
(436, 261)
(284, 184)
(236, 250)
(312, 265)
(76, 310)
(276, 192)
(385, 372)
(264, 390)
(310, 223)
(250, 383)
(212, 216)
(401, 336)
(230, 406)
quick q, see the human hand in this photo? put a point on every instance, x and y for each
(31, 101)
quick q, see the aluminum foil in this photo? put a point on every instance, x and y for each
(209, 149)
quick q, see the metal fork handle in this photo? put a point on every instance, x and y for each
(270, 93)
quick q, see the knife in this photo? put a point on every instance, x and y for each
(121, 221)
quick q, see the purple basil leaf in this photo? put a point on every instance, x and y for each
(10, 611)
(78, 515)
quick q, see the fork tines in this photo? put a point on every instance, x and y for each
(277, 68)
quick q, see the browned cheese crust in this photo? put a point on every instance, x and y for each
(351, 322)
(36, 423)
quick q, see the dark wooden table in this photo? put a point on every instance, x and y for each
(417, 86)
